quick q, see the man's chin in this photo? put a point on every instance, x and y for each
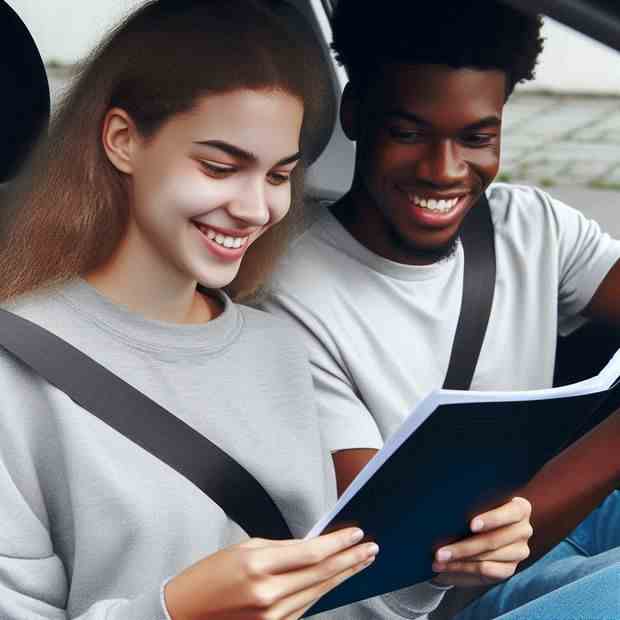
(424, 254)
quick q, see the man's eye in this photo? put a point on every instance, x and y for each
(405, 135)
(217, 171)
(478, 139)
(278, 178)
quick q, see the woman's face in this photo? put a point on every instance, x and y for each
(211, 181)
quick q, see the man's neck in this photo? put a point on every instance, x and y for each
(368, 226)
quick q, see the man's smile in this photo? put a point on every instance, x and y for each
(433, 209)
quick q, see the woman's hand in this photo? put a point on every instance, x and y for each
(492, 554)
(265, 579)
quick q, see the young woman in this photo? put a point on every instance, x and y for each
(164, 179)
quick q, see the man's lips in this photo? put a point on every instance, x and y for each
(434, 209)
(434, 201)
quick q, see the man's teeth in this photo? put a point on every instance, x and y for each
(431, 204)
(224, 240)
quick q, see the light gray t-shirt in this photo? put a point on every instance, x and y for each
(92, 525)
(380, 333)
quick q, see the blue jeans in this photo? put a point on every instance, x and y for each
(579, 579)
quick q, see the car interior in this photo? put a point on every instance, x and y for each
(27, 107)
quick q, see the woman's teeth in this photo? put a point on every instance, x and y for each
(441, 206)
(223, 240)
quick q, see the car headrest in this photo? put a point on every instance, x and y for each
(300, 20)
(25, 106)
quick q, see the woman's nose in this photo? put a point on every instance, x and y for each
(251, 205)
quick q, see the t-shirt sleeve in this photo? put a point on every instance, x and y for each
(586, 254)
(345, 421)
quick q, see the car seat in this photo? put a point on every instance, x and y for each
(25, 106)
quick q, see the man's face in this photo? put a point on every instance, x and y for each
(428, 146)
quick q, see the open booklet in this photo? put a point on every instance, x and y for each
(457, 453)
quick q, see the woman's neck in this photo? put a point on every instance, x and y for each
(151, 287)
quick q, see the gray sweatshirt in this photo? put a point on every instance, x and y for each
(92, 525)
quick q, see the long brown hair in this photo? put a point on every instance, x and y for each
(69, 207)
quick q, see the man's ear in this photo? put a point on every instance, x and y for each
(118, 137)
(350, 112)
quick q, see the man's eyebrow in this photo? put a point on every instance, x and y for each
(487, 121)
(409, 116)
(235, 151)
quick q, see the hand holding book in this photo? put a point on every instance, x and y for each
(498, 544)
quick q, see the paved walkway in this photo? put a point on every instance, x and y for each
(554, 140)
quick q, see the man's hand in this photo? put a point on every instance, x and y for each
(499, 542)
(492, 554)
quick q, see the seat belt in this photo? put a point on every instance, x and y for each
(478, 287)
(479, 270)
(143, 421)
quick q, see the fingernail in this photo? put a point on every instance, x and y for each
(357, 536)
(477, 524)
(372, 549)
(443, 555)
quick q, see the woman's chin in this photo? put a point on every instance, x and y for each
(217, 278)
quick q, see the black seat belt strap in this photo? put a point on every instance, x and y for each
(143, 421)
(478, 287)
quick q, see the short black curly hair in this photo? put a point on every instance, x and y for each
(478, 34)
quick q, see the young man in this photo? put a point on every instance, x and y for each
(375, 285)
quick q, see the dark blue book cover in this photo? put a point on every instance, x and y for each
(458, 453)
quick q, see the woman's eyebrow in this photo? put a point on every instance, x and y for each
(239, 153)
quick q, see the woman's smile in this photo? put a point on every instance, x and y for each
(226, 245)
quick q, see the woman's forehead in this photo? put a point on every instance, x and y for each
(257, 121)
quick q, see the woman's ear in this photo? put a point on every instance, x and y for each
(349, 112)
(118, 137)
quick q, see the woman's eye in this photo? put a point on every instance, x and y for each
(278, 178)
(216, 170)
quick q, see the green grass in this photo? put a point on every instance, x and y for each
(547, 182)
(602, 184)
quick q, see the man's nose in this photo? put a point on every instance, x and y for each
(442, 164)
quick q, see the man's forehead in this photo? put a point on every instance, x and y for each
(429, 90)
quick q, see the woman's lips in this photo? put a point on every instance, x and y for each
(224, 246)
